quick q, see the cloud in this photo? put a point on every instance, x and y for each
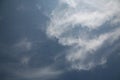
(23, 45)
(87, 26)
(45, 73)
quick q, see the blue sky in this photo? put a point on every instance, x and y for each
(59, 40)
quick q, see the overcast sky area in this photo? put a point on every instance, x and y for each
(59, 39)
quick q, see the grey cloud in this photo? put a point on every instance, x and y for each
(23, 45)
(45, 73)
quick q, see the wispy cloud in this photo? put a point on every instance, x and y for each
(23, 45)
(45, 73)
(79, 23)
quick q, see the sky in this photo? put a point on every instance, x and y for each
(59, 40)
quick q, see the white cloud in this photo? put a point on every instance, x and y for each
(83, 56)
(78, 23)
(71, 3)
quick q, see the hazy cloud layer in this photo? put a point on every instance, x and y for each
(45, 73)
(87, 26)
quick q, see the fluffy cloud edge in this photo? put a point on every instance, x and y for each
(69, 15)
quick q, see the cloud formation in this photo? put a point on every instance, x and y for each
(87, 26)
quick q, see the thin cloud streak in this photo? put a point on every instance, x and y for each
(45, 73)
